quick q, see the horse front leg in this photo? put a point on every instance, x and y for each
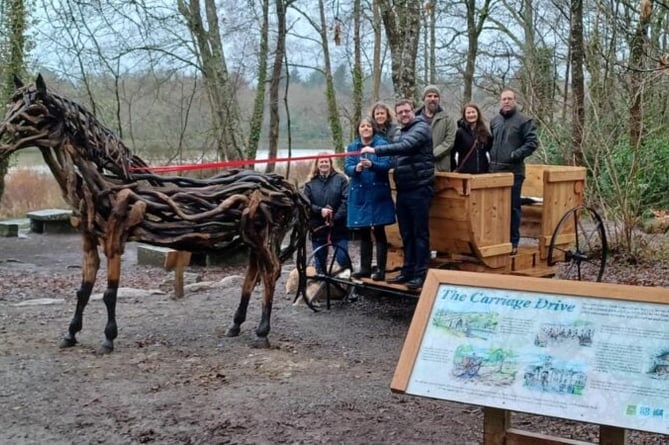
(88, 274)
(109, 298)
(247, 288)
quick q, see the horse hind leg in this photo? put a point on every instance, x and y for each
(270, 274)
(109, 298)
(89, 272)
(247, 288)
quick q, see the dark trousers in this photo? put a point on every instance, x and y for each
(321, 257)
(413, 217)
(516, 211)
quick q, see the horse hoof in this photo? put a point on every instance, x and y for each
(68, 342)
(261, 343)
(233, 331)
(105, 348)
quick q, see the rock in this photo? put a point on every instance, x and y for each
(40, 302)
(129, 292)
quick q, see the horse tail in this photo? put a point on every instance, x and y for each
(298, 245)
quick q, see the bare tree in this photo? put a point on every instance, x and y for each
(577, 52)
(255, 127)
(219, 85)
(279, 56)
(13, 24)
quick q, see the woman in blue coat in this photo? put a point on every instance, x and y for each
(370, 204)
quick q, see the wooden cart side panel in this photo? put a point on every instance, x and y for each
(564, 189)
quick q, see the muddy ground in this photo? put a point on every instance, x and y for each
(174, 379)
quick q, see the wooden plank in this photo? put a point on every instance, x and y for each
(491, 180)
(534, 180)
(658, 295)
(414, 337)
(612, 435)
(519, 437)
(495, 423)
(495, 249)
(565, 174)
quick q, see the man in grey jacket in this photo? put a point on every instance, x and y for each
(443, 127)
(514, 138)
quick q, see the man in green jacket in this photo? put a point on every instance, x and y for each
(443, 127)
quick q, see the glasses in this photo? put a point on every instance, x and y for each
(403, 111)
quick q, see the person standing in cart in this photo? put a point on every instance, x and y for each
(471, 150)
(414, 180)
(384, 123)
(514, 138)
(370, 204)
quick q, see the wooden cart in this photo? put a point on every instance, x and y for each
(470, 221)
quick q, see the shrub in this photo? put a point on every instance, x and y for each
(28, 189)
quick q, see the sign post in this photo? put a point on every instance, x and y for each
(590, 352)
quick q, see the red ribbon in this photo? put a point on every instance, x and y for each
(240, 163)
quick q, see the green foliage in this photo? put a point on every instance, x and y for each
(642, 174)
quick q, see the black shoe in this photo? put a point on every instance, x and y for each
(379, 276)
(414, 284)
(361, 274)
(400, 279)
(514, 250)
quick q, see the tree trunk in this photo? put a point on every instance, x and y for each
(13, 26)
(279, 55)
(330, 93)
(220, 91)
(255, 128)
(474, 29)
(376, 61)
(636, 66)
(401, 20)
(357, 68)
(577, 51)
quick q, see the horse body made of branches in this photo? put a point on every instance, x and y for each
(116, 198)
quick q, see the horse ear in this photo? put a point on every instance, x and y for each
(18, 83)
(40, 84)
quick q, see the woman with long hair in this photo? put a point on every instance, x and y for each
(471, 149)
(384, 122)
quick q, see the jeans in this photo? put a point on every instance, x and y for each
(413, 217)
(321, 257)
(516, 211)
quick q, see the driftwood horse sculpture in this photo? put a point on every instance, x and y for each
(116, 199)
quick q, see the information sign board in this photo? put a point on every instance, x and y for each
(584, 351)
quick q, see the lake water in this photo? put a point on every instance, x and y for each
(32, 158)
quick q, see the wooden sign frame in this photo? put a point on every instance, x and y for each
(497, 421)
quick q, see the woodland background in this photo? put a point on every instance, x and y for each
(185, 80)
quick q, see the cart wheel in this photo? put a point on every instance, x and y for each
(579, 240)
(335, 283)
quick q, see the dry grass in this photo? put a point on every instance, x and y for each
(27, 190)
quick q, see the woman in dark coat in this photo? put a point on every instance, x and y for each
(384, 123)
(327, 191)
(370, 203)
(471, 149)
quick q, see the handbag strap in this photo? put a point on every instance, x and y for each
(467, 156)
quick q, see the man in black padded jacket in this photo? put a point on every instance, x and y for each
(414, 180)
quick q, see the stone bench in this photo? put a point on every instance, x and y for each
(170, 259)
(11, 227)
(50, 221)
